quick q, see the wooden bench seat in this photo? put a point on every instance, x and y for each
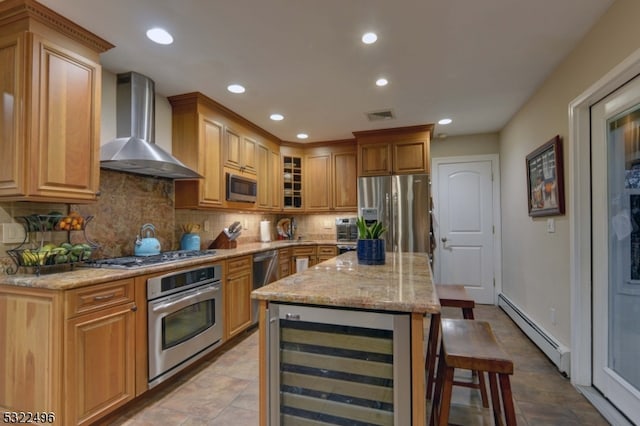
(471, 345)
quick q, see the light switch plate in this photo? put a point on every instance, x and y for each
(13, 233)
(551, 225)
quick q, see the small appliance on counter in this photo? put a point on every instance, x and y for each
(346, 234)
(146, 243)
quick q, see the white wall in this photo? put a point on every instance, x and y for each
(108, 113)
(476, 144)
(535, 263)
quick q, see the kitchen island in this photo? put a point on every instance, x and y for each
(308, 307)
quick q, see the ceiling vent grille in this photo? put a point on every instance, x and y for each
(386, 114)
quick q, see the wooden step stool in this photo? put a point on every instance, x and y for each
(450, 295)
(471, 345)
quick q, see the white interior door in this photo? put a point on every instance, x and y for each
(615, 128)
(464, 226)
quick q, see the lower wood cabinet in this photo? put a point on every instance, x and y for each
(237, 288)
(71, 352)
(284, 263)
(303, 251)
(99, 363)
(326, 252)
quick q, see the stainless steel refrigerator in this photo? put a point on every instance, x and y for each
(401, 203)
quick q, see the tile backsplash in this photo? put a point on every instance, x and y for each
(129, 201)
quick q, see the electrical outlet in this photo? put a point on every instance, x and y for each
(552, 313)
(245, 223)
(13, 233)
(327, 224)
(206, 226)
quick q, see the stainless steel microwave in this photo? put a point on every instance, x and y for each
(241, 188)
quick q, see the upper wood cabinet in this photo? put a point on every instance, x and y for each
(197, 142)
(240, 152)
(275, 184)
(268, 176)
(394, 151)
(293, 195)
(50, 78)
(330, 178)
(214, 141)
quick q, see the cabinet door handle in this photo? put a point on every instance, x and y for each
(134, 308)
(105, 297)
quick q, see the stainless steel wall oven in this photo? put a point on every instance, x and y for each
(185, 319)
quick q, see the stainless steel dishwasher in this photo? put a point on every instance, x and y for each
(265, 271)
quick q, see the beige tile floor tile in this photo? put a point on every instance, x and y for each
(223, 391)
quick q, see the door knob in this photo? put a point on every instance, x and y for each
(443, 239)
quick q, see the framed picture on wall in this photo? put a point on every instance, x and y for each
(545, 183)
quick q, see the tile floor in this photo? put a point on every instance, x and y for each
(224, 390)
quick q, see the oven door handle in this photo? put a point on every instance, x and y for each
(189, 299)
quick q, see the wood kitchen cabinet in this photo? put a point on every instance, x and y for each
(239, 152)
(268, 177)
(99, 356)
(293, 196)
(284, 263)
(264, 191)
(331, 178)
(51, 80)
(309, 252)
(275, 175)
(68, 352)
(214, 141)
(237, 294)
(326, 252)
(394, 151)
(197, 142)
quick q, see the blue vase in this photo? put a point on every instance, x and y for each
(190, 242)
(371, 252)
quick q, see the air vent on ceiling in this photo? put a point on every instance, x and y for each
(386, 114)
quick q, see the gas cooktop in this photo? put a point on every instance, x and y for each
(130, 262)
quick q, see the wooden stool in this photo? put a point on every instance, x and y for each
(450, 295)
(471, 345)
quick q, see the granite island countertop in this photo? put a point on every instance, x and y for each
(403, 284)
(83, 276)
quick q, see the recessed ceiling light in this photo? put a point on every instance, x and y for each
(302, 136)
(382, 82)
(445, 121)
(277, 117)
(235, 88)
(160, 36)
(369, 38)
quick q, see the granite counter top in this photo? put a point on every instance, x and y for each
(403, 284)
(83, 276)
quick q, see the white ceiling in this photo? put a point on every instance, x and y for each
(475, 61)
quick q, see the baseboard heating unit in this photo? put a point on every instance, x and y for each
(559, 354)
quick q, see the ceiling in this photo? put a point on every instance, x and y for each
(473, 61)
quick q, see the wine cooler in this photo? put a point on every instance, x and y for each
(338, 366)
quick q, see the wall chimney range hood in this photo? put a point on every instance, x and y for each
(134, 149)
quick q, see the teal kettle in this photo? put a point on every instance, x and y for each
(146, 243)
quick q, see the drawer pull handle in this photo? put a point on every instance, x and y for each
(293, 317)
(104, 297)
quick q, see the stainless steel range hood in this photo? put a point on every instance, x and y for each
(134, 149)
